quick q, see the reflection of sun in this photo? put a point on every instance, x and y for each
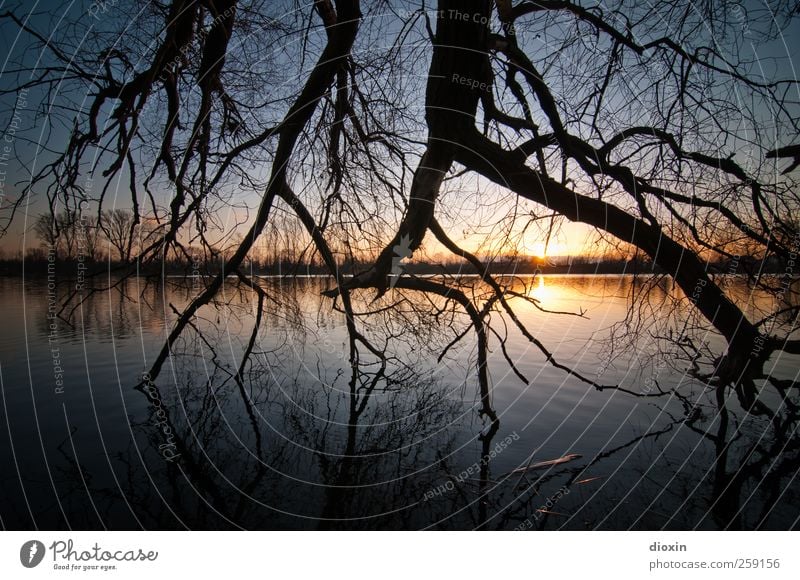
(540, 291)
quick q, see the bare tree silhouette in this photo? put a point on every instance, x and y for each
(118, 227)
(648, 123)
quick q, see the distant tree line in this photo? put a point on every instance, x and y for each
(71, 235)
(116, 238)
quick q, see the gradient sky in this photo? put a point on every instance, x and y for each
(28, 128)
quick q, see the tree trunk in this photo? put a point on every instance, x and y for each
(686, 268)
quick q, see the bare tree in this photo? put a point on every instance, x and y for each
(90, 238)
(118, 226)
(60, 233)
(624, 117)
(45, 228)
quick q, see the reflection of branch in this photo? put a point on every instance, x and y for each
(575, 477)
(428, 286)
(239, 377)
(338, 46)
(483, 271)
(440, 234)
(686, 268)
(259, 314)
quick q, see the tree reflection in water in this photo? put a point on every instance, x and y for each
(258, 421)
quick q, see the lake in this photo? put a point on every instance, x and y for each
(297, 441)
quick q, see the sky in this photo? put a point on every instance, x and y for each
(24, 126)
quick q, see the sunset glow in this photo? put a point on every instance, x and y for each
(540, 250)
(540, 291)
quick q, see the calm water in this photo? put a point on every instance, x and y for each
(288, 446)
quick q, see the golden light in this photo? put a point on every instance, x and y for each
(539, 250)
(543, 249)
(540, 291)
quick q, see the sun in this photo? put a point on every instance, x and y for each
(539, 250)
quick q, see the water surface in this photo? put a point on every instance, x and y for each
(292, 443)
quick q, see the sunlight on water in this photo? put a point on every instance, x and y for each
(286, 431)
(541, 292)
